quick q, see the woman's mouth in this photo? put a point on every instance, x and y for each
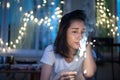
(77, 43)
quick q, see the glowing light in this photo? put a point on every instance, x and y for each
(4, 50)
(31, 12)
(113, 33)
(36, 20)
(44, 1)
(8, 5)
(24, 19)
(116, 28)
(108, 10)
(59, 16)
(107, 21)
(113, 25)
(20, 32)
(6, 43)
(108, 26)
(117, 18)
(31, 17)
(11, 42)
(49, 20)
(43, 5)
(9, 48)
(118, 34)
(19, 37)
(113, 16)
(53, 16)
(1, 41)
(62, 2)
(38, 6)
(17, 41)
(111, 30)
(40, 22)
(58, 8)
(48, 24)
(91, 43)
(108, 34)
(94, 40)
(109, 14)
(20, 8)
(46, 17)
(14, 46)
(26, 14)
(25, 24)
(98, 3)
(52, 3)
(85, 71)
(51, 27)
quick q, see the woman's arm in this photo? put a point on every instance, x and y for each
(45, 72)
(89, 65)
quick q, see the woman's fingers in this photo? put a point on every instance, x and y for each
(68, 75)
(71, 73)
(67, 78)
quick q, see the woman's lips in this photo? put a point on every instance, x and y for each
(77, 43)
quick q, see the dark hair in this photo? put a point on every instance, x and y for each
(60, 43)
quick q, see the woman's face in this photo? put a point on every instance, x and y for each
(75, 34)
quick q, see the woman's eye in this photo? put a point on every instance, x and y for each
(74, 31)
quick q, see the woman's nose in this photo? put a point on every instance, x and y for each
(79, 36)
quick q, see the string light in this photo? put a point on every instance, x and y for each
(52, 3)
(20, 8)
(8, 5)
(106, 19)
(38, 6)
(62, 2)
(29, 16)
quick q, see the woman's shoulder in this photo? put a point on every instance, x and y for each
(48, 55)
(49, 48)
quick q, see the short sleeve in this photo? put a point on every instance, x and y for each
(48, 55)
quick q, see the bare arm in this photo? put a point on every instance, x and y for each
(45, 72)
(89, 64)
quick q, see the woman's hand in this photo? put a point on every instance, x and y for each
(66, 75)
(70, 75)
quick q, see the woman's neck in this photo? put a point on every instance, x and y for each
(71, 56)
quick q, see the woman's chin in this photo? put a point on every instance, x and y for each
(77, 47)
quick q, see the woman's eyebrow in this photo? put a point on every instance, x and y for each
(75, 28)
(78, 28)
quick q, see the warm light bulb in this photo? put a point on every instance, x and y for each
(51, 27)
(14, 46)
(11, 42)
(53, 16)
(52, 3)
(38, 6)
(31, 12)
(19, 37)
(25, 24)
(108, 34)
(118, 34)
(8, 5)
(36, 20)
(62, 2)
(4, 50)
(31, 17)
(20, 8)
(6, 43)
(17, 41)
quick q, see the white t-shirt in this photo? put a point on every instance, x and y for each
(59, 63)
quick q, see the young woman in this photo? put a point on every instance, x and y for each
(70, 57)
